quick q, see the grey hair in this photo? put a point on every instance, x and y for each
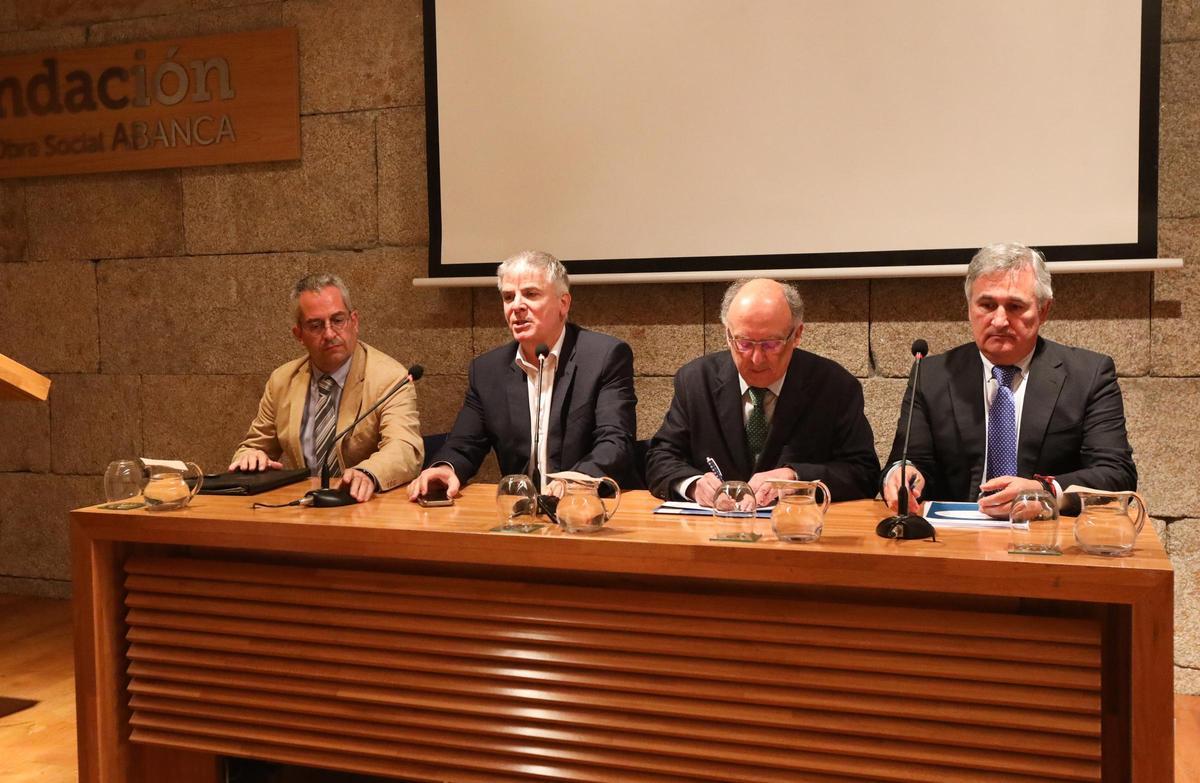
(790, 293)
(556, 273)
(1010, 257)
(315, 283)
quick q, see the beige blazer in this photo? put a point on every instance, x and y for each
(387, 443)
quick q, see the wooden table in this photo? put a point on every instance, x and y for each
(394, 640)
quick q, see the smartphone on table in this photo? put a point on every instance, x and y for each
(436, 495)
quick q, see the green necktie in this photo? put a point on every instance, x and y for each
(756, 423)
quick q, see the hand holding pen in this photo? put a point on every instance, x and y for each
(704, 489)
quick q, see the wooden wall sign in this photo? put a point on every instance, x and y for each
(186, 102)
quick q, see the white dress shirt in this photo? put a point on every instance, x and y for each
(539, 429)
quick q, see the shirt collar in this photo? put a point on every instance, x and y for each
(1022, 365)
(339, 375)
(555, 350)
(775, 388)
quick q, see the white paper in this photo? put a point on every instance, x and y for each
(692, 508)
(945, 514)
(1074, 488)
(170, 464)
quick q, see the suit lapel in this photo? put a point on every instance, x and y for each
(965, 379)
(1046, 378)
(352, 394)
(727, 394)
(564, 376)
(293, 414)
(518, 408)
(793, 398)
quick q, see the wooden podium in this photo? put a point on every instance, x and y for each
(414, 643)
(19, 382)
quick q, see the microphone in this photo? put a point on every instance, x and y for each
(330, 498)
(904, 525)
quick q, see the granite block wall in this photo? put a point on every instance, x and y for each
(157, 301)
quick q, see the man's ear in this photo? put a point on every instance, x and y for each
(296, 333)
(1045, 310)
(799, 332)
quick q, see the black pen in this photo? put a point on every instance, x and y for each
(715, 468)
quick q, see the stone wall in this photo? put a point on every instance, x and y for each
(157, 301)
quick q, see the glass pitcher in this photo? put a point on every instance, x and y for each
(1107, 524)
(167, 491)
(798, 517)
(580, 507)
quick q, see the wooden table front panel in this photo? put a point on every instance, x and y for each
(469, 680)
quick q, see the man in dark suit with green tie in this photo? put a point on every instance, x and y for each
(762, 410)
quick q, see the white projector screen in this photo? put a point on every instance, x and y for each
(683, 135)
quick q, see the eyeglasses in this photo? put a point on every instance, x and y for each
(317, 326)
(742, 345)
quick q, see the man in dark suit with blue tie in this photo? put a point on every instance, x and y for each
(1012, 411)
(587, 409)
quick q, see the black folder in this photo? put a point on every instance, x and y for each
(237, 483)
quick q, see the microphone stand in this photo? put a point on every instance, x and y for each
(332, 498)
(546, 504)
(904, 525)
(535, 459)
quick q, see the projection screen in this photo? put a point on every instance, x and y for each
(670, 135)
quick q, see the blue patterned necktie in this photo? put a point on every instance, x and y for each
(1002, 425)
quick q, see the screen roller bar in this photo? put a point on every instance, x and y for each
(840, 273)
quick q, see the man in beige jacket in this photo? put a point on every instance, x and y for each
(310, 399)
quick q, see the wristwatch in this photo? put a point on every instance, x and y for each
(1047, 483)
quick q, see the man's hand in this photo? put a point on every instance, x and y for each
(764, 493)
(438, 474)
(704, 489)
(916, 485)
(360, 486)
(254, 460)
(1003, 489)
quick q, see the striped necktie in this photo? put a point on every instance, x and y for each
(1002, 425)
(325, 423)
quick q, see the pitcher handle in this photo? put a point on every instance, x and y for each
(616, 498)
(825, 492)
(1141, 519)
(199, 480)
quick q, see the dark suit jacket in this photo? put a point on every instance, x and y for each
(1072, 422)
(818, 429)
(592, 413)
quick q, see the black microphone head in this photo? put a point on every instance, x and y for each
(416, 371)
(920, 347)
(542, 351)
